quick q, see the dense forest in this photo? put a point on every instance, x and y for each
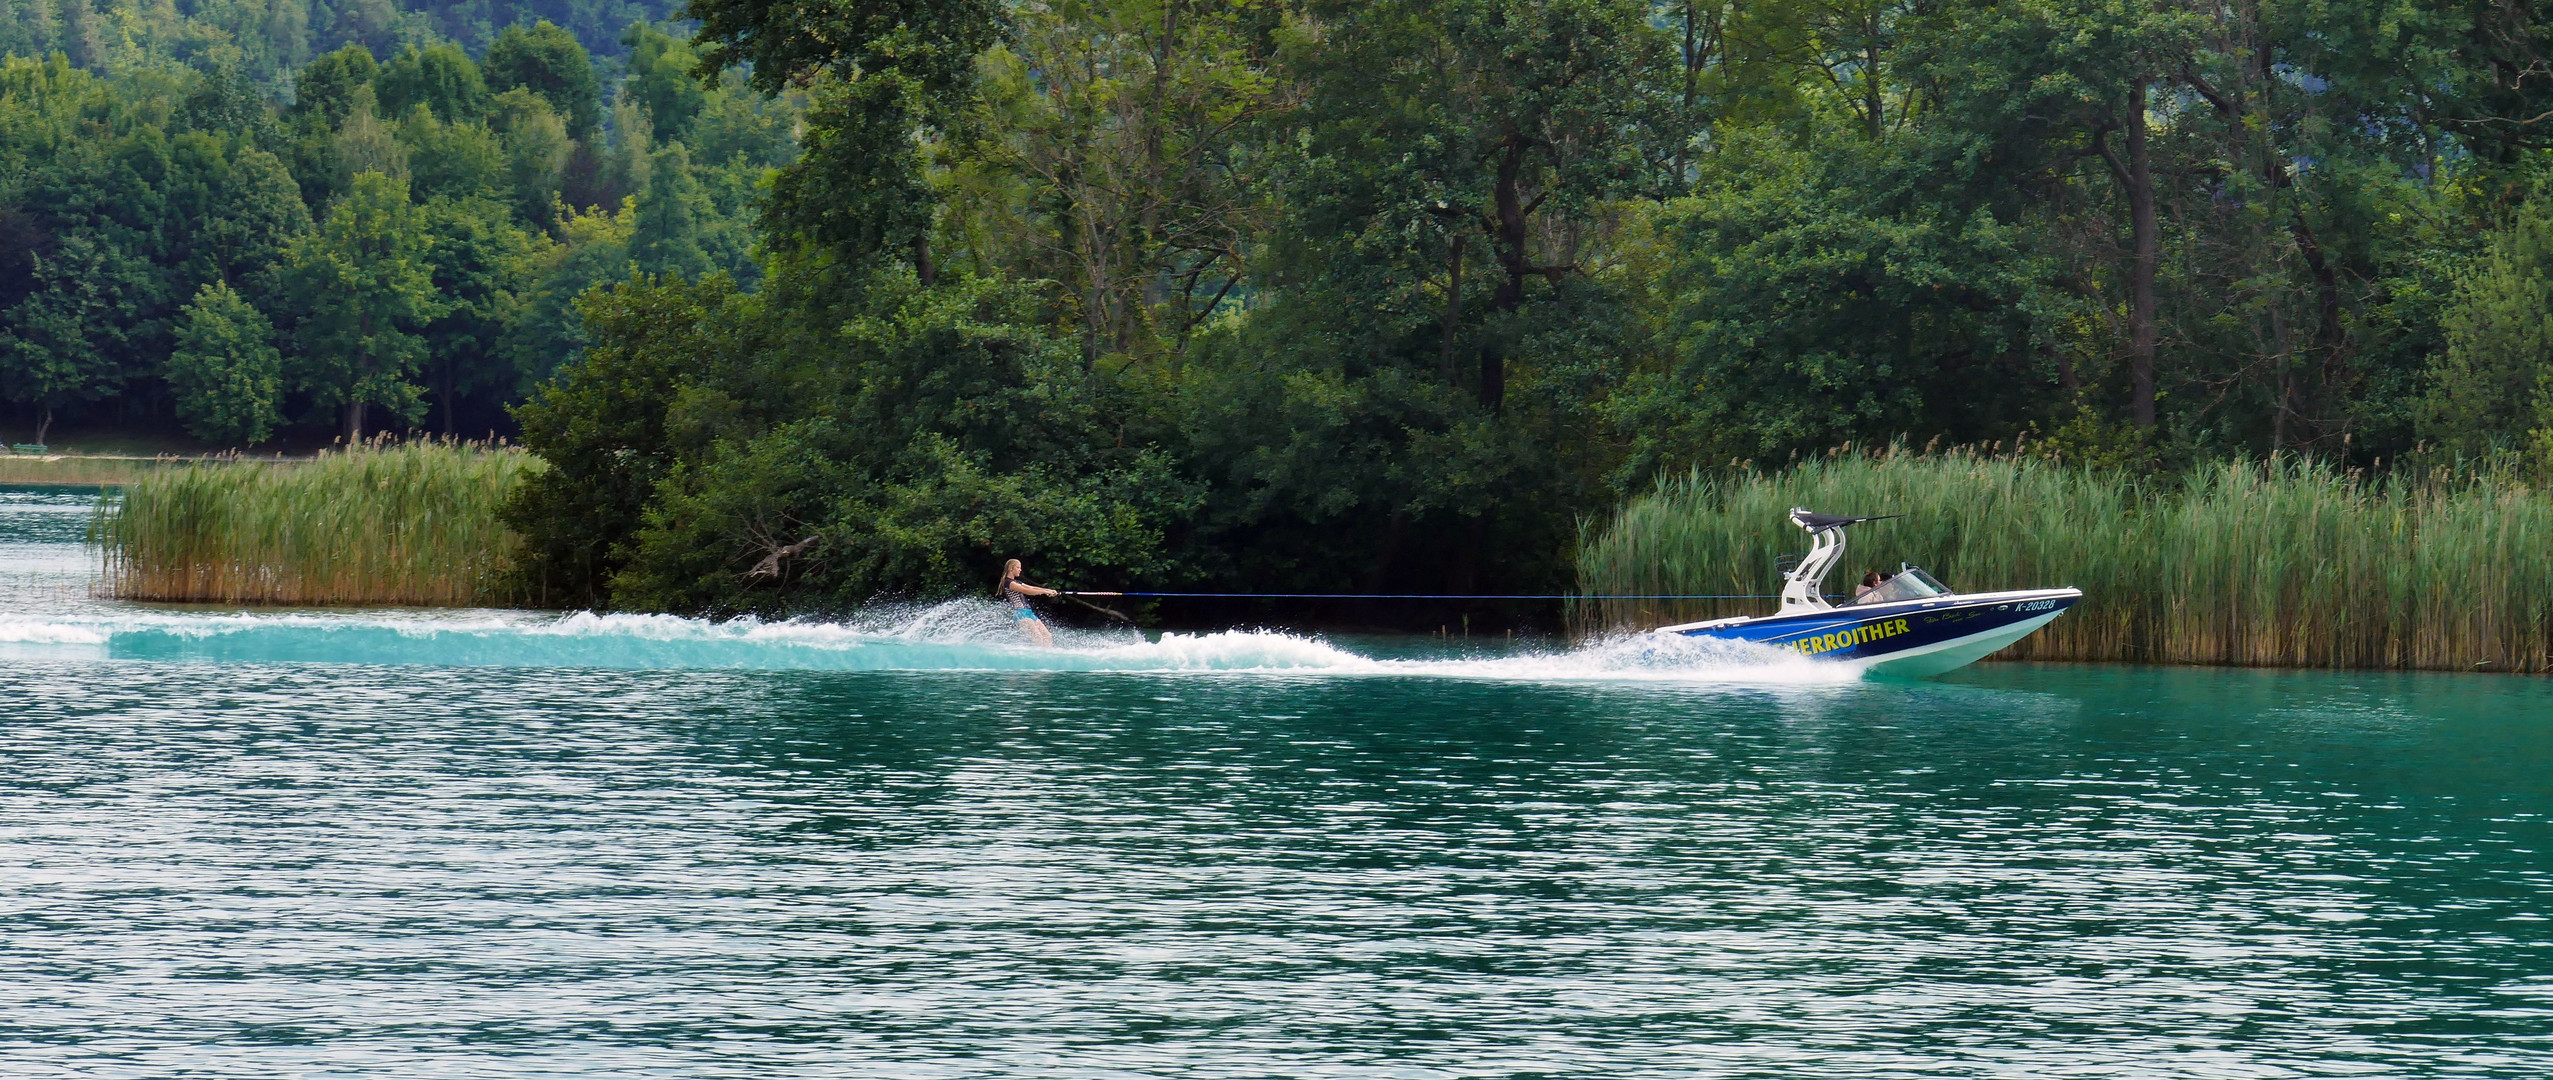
(1279, 294)
(357, 244)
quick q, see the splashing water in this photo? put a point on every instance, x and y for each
(957, 635)
(47, 578)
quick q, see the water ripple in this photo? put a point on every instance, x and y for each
(438, 863)
(303, 870)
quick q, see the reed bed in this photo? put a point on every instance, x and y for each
(381, 523)
(79, 470)
(2273, 563)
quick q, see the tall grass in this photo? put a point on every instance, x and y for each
(78, 470)
(380, 523)
(2284, 562)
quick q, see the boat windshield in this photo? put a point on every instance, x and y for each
(1910, 582)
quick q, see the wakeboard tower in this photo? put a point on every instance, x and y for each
(1911, 626)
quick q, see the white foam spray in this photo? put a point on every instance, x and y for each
(958, 635)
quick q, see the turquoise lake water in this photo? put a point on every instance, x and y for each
(492, 844)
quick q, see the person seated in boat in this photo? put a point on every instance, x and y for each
(1014, 593)
(1870, 581)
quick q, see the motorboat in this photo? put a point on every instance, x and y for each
(1911, 625)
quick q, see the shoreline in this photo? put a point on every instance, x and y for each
(107, 470)
(1340, 633)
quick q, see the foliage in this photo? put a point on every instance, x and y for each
(362, 290)
(267, 40)
(1295, 294)
(325, 90)
(2484, 386)
(770, 469)
(667, 236)
(225, 372)
(1400, 290)
(661, 81)
(125, 192)
(62, 343)
(440, 77)
(1816, 299)
(603, 429)
(483, 268)
(549, 62)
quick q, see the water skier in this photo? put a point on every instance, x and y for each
(1015, 593)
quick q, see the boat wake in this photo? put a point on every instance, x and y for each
(962, 635)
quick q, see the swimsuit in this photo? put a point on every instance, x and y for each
(1020, 611)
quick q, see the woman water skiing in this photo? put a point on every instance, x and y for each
(1015, 593)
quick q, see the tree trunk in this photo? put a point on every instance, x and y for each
(2142, 335)
(354, 422)
(1156, 287)
(43, 423)
(1692, 84)
(1509, 205)
(2286, 389)
(923, 268)
(1453, 307)
(1872, 102)
(2330, 339)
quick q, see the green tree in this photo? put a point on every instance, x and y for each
(325, 90)
(661, 81)
(1525, 111)
(374, 24)
(1412, 398)
(2053, 73)
(225, 373)
(231, 213)
(1106, 161)
(364, 144)
(225, 99)
(548, 332)
(482, 265)
(62, 344)
(859, 183)
(88, 278)
(714, 455)
(736, 124)
(891, 78)
(2487, 386)
(601, 427)
(439, 77)
(624, 160)
(667, 239)
(548, 61)
(536, 151)
(1816, 297)
(363, 288)
(461, 160)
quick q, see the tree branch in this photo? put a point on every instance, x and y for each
(2214, 96)
(2101, 146)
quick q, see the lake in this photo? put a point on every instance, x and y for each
(500, 844)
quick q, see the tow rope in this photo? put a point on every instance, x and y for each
(1425, 596)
